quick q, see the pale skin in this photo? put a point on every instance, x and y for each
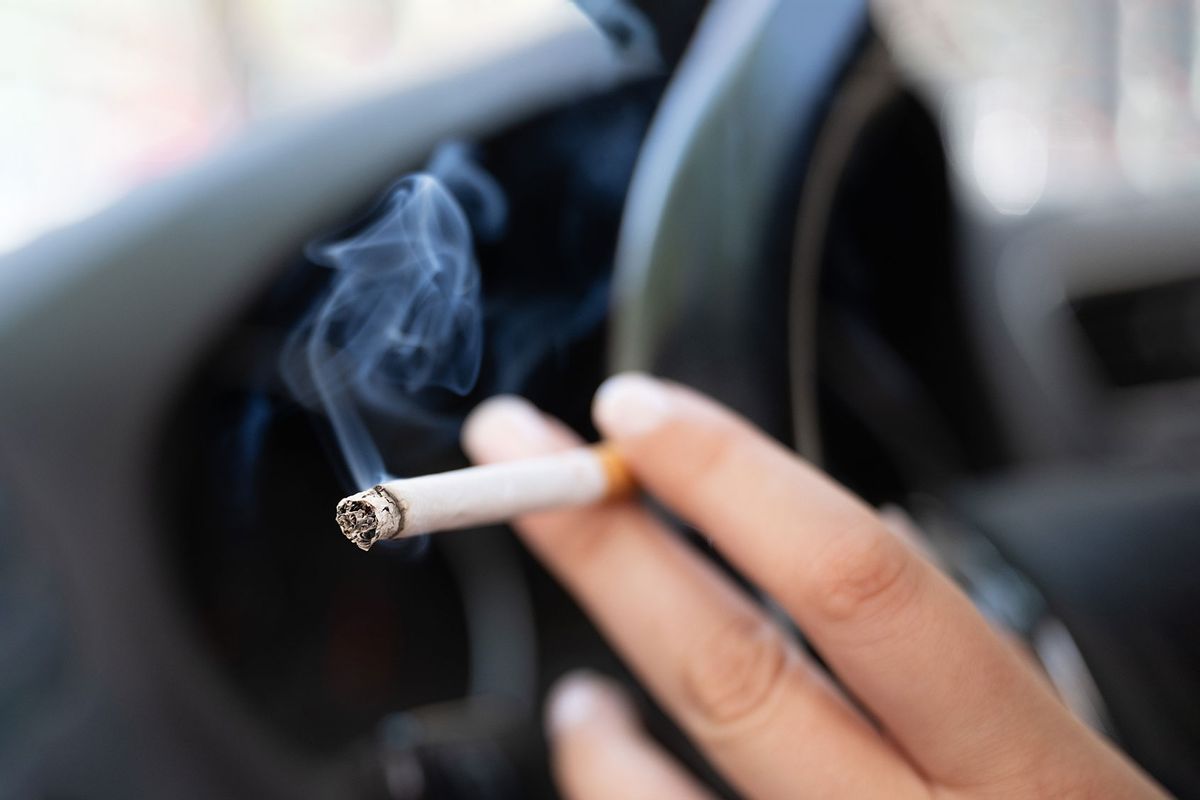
(943, 706)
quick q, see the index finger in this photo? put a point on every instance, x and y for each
(900, 635)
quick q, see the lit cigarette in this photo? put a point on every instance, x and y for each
(479, 496)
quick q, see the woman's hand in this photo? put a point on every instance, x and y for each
(954, 710)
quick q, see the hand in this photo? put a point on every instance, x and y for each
(954, 711)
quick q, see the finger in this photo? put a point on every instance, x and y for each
(764, 716)
(599, 752)
(902, 638)
(903, 526)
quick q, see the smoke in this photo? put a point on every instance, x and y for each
(627, 27)
(403, 313)
(476, 191)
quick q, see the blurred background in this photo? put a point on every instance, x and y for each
(947, 251)
(100, 97)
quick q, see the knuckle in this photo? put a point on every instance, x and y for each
(735, 672)
(860, 573)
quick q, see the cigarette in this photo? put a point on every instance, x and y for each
(479, 496)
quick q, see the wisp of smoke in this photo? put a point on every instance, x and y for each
(402, 315)
(627, 26)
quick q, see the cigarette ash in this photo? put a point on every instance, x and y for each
(358, 522)
(371, 516)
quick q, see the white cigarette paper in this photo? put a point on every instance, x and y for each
(479, 496)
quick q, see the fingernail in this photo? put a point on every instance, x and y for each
(503, 427)
(630, 404)
(582, 698)
(573, 702)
